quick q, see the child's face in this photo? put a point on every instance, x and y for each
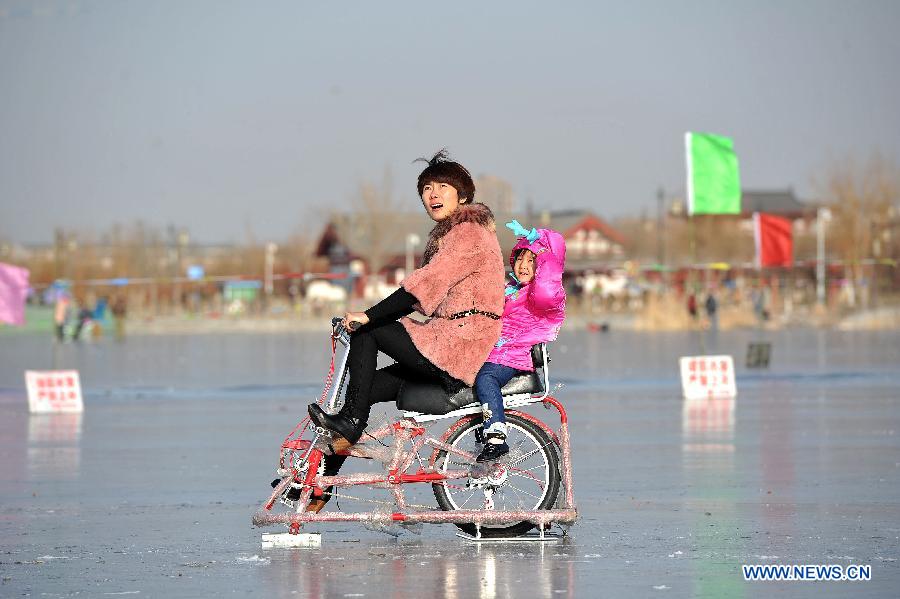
(523, 267)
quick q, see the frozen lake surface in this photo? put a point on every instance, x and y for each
(149, 493)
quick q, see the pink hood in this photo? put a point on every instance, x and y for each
(534, 312)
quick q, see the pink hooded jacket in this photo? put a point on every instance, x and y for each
(533, 312)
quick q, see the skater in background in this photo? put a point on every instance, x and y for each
(61, 315)
(118, 309)
(85, 316)
(692, 306)
(712, 311)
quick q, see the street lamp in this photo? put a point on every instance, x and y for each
(823, 215)
(412, 240)
(660, 226)
(271, 248)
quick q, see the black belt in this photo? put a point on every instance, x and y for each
(472, 312)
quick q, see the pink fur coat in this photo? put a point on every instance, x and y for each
(463, 270)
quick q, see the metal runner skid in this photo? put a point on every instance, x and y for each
(540, 537)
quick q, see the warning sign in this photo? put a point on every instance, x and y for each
(707, 376)
(53, 391)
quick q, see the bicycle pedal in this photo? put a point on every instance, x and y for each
(480, 471)
(322, 432)
(477, 482)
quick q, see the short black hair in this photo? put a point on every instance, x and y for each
(443, 170)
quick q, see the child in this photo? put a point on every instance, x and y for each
(534, 309)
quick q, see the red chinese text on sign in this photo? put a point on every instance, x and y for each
(707, 376)
(53, 391)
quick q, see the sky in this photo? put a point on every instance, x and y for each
(240, 120)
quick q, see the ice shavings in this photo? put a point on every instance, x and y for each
(253, 559)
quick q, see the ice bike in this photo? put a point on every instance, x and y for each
(531, 487)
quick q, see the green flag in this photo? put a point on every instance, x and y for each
(713, 180)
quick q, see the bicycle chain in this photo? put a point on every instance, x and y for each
(380, 502)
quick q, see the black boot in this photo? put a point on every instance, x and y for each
(492, 451)
(347, 427)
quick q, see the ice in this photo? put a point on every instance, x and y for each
(153, 494)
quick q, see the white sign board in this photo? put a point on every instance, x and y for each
(707, 376)
(53, 391)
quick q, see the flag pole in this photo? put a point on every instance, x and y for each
(820, 256)
(757, 242)
(689, 163)
(757, 262)
(692, 232)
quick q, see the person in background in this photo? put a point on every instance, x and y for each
(758, 298)
(118, 310)
(692, 306)
(712, 308)
(61, 315)
(85, 315)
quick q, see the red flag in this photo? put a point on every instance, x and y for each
(774, 240)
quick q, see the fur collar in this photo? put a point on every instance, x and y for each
(479, 214)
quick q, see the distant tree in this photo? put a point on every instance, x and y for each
(299, 252)
(371, 223)
(497, 193)
(706, 238)
(864, 200)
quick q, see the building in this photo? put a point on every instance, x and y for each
(781, 203)
(591, 242)
(778, 202)
(351, 242)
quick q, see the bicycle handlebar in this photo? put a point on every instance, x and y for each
(339, 331)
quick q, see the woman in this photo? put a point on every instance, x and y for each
(459, 286)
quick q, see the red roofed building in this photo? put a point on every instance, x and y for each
(591, 242)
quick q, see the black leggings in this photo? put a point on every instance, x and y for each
(368, 386)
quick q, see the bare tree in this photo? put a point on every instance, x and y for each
(299, 251)
(863, 200)
(371, 226)
(496, 192)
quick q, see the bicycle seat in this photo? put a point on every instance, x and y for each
(430, 398)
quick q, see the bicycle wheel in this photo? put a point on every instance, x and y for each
(530, 478)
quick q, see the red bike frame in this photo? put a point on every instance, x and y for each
(300, 460)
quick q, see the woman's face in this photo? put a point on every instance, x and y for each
(523, 267)
(440, 200)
